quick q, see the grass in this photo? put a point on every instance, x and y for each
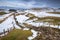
(27, 25)
(54, 12)
(17, 34)
(30, 15)
(2, 13)
(49, 18)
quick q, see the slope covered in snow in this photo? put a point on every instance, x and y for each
(42, 14)
(10, 21)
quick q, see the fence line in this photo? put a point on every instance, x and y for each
(6, 31)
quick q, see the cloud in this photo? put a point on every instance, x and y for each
(17, 4)
(21, 4)
(30, 3)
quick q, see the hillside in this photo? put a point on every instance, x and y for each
(17, 34)
(42, 25)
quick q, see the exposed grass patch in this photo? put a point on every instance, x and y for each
(2, 13)
(17, 14)
(49, 18)
(54, 12)
(17, 34)
(30, 15)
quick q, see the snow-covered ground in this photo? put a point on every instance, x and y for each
(37, 24)
(7, 24)
(34, 34)
(5, 15)
(42, 14)
(22, 18)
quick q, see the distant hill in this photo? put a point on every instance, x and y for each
(37, 9)
(6, 7)
(47, 8)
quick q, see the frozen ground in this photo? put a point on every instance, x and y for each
(9, 22)
(4, 16)
(42, 14)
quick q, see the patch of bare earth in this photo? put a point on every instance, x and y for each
(48, 33)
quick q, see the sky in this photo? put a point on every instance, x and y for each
(30, 3)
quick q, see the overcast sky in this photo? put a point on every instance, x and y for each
(30, 3)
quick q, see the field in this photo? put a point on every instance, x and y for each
(48, 26)
(17, 34)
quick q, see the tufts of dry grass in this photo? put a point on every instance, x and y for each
(48, 33)
(17, 34)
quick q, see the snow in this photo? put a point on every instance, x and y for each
(42, 14)
(25, 28)
(8, 24)
(3, 34)
(5, 15)
(34, 35)
(21, 18)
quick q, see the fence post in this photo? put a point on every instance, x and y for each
(13, 25)
(8, 30)
(4, 31)
(58, 25)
